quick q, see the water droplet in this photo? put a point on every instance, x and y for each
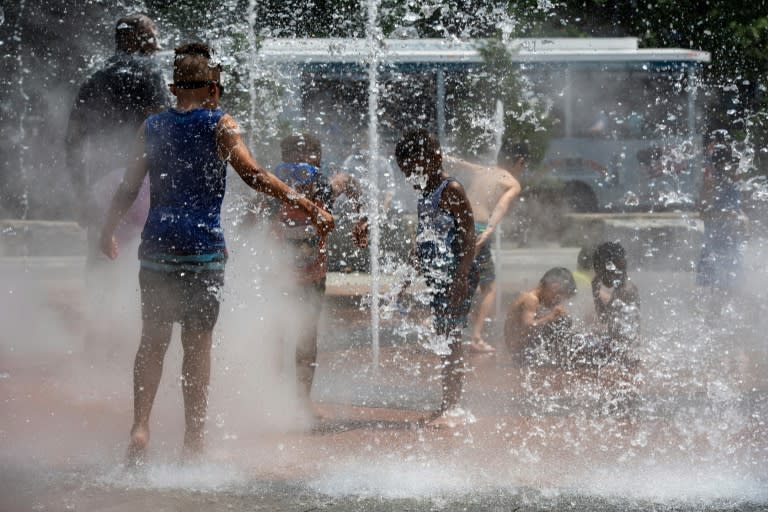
(631, 199)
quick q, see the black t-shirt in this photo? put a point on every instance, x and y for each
(110, 107)
(122, 93)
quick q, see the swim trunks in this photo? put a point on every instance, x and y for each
(484, 258)
(189, 298)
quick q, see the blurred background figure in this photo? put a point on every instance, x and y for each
(107, 113)
(108, 110)
(725, 225)
(616, 298)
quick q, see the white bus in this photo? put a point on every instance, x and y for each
(626, 121)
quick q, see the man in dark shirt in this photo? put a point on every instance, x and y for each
(108, 110)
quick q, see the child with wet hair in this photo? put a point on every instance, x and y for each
(616, 298)
(185, 151)
(443, 254)
(538, 325)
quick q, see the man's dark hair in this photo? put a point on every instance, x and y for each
(609, 252)
(298, 147)
(511, 151)
(561, 276)
(417, 144)
(136, 33)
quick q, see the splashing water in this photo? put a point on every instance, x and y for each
(686, 429)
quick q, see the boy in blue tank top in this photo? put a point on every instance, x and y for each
(185, 151)
(443, 254)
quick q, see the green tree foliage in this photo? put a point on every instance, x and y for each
(499, 81)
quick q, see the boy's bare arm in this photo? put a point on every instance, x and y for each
(453, 165)
(512, 190)
(528, 307)
(629, 294)
(124, 196)
(529, 317)
(232, 148)
(454, 200)
(344, 183)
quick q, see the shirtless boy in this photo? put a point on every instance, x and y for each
(537, 318)
(491, 191)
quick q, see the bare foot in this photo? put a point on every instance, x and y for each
(443, 422)
(194, 445)
(310, 415)
(452, 418)
(137, 449)
(318, 412)
(480, 346)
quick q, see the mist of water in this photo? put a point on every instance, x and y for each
(689, 427)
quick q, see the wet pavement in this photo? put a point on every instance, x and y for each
(685, 430)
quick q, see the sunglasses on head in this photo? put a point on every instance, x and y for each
(198, 84)
(295, 174)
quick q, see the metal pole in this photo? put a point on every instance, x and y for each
(373, 35)
(440, 104)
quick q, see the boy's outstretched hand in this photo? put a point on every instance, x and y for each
(108, 245)
(360, 233)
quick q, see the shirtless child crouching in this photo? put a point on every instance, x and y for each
(537, 321)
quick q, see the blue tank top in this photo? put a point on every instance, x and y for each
(437, 233)
(187, 180)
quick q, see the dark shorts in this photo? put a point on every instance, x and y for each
(485, 266)
(449, 318)
(189, 298)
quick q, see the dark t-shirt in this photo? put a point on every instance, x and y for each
(107, 113)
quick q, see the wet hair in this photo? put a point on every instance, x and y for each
(417, 145)
(511, 151)
(561, 276)
(299, 147)
(609, 252)
(136, 33)
(585, 257)
(194, 64)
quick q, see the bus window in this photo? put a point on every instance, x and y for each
(628, 104)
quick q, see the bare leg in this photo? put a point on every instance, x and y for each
(486, 300)
(196, 375)
(147, 371)
(306, 362)
(306, 345)
(452, 371)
